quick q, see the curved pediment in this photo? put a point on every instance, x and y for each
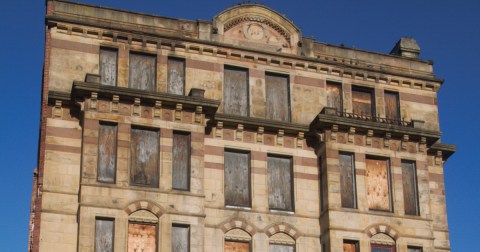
(254, 25)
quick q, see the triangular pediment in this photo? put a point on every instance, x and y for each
(254, 25)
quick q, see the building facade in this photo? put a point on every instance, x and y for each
(236, 134)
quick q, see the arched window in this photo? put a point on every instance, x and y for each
(382, 243)
(281, 242)
(142, 231)
(237, 240)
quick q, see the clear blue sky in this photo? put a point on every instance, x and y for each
(448, 33)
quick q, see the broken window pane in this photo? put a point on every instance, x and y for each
(235, 91)
(144, 157)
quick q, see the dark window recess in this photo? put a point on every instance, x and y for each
(181, 161)
(142, 72)
(104, 235)
(235, 91)
(362, 102)
(108, 66)
(347, 180)
(280, 182)
(142, 237)
(236, 246)
(378, 184)
(144, 157)
(414, 249)
(410, 193)
(350, 246)
(180, 238)
(392, 106)
(282, 248)
(107, 153)
(237, 179)
(176, 76)
(382, 248)
(277, 97)
(334, 96)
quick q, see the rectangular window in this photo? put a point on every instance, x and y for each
(350, 246)
(181, 161)
(378, 184)
(142, 237)
(410, 191)
(414, 249)
(277, 97)
(180, 238)
(235, 91)
(392, 106)
(347, 180)
(382, 248)
(334, 96)
(237, 246)
(107, 152)
(142, 71)
(104, 235)
(280, 183)
(144, 157)
(282, 248)
(362, 102)
(108, 66)
(237, 178)
(176, 76)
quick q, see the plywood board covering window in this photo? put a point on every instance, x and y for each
(350, 246)
(107, 152)
(176, 76)
(410, 194)
(280, 182)
(180, 238)
(362, 102)
(414, 249)
(235, 91)
(144, 147)
(236, 246)
(237, 178)
(104, 235)
(108, 66)
(142, 71)
(334, 96)
(378, 184)
(142, 237)
(181, 161)
(382, 248)
(392, 106)
(282, 248)
(277, 97)
(347, 180)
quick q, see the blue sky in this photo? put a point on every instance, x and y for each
(448, 33)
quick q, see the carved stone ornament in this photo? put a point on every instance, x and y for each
(238, 234)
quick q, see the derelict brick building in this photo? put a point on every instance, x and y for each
(236, 134)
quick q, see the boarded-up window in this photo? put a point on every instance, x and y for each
(410, 195)
(104, 230)
(382, 248)
(108, 66)
(378, 184)
(144, 157)
(237, 246)
(280, 182)
(334, 96)
(107, 153)
(362, 102)
(142, 237)
(414, 249)
(176, 76)
(235, 91)
(350, 246)
(392, 110)
(142, 74)
(180, 238)
(347, 180)
(237, 178)
(281, 248)
(277, 97)
(181, 161)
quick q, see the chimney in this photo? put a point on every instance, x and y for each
(406, 47)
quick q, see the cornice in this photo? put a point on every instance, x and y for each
(445, 150)
(255, 123)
